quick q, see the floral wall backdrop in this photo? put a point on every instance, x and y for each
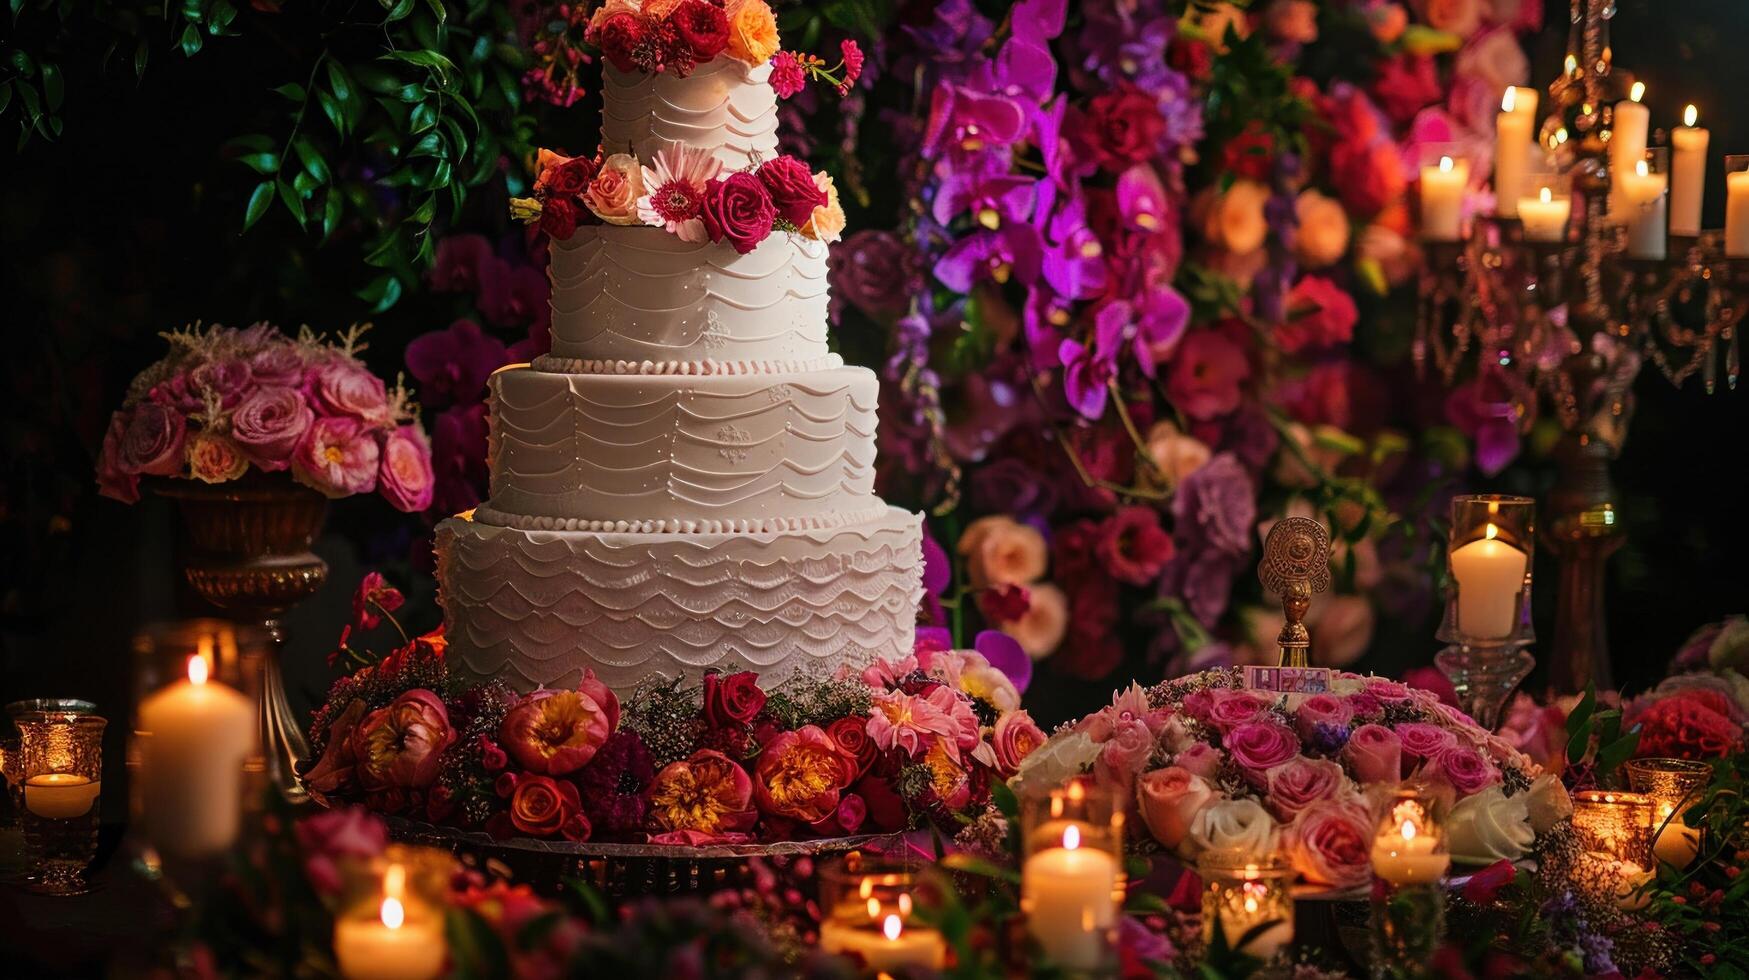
(1138, 277)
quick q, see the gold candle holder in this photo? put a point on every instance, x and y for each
(1674, 785)
(1072, 881)
(61, 772)
(1615, 829)
(869, 912)
(1247, 902)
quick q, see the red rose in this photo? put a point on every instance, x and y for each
(1685, 726)
(1484, 886)
(1191, 57)
(1251, 154)
(1007, 603)
(702, 26)
(618, 36)
(1122, 127)
(732, 699)
(792, 188)
(542, 806)
(738, 209)
(570, 177)
(558, 218)
(851, 736)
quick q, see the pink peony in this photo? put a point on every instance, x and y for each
(1206, 375)
(800, 775)
(406, 478)
(1016, 736)
(1261, 746)
(1169, 800)
(338, 456)
(1423, 741)
(912, 723)
(787, 76)
(1465, 769)
(1200, 758)
(555, 732)
(1124, 754)
(1321, 711)
(400, 746)
(269, 424)
(1375, 754)
(1330, 842)
(1301, 782)
(329, 838)
(1230, 709)
(342, 386)
(152, 443)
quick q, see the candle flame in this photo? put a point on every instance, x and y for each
(1640, 168)
(1409, 830)
(874, 908)
(1491, 533)
(393, 914)
(1077, 792)
(867, 887)
(1545, 195)
(197, 669)
(1510, 99)
(1071, 837)
(1638, 90)
(904, 903)
(1571, 64)
(1690, 115)
(395, 881)
(892, 927)
(1445, 164)
(1250, 903)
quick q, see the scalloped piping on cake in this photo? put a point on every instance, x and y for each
(487, 514)
(555, 364)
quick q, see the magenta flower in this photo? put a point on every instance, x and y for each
(1010, 252)
(1089, 369)
(1206, 375)
(338, 456)
(909, 723)
(1159, 325)
(991, 199)
(1074, 260)
(269, 424)
(787, 75)
(965, 123)
(406, 478)
(452, 365)
(458, 457)
(456, 267)
(1482, 410)
(342, 387)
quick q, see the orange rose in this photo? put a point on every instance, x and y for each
(1001, 551)
(542, 807)
(826, 223)
(752, 32)
(1040, 630)
(708, 793)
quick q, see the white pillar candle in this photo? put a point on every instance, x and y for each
(1643, 201)
(1677, 842)
(1737, 214)
(1490, 575)
(1068, 895)
(1405, 856)
(1687, 174)
(60, 795)
(1512, 143)
(1627, 137)
(1442, 199)
(1545, 216)
(196, 734)
(392, 946)
(894, 947)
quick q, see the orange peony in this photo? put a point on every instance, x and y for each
(707, 792)
(752, 32)
(801, 774)
(556, 732)
(826, 222)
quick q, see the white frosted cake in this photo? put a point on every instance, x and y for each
(686, 481)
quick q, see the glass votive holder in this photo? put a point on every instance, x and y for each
(1445, 180)
(1072, 880)
(390, 923)
(1489, 557)
(61, 768)
(1616, 824)
(1673, 785)
(869, 912)
(1247, 902)
(1546, 207)
(1410, 846)
(1737, 205)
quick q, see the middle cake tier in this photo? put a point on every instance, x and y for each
(682, 453)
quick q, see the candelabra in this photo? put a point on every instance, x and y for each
(1562, 300)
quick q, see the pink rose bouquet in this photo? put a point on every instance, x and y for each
(225, 401)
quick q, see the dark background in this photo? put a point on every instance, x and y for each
(129, 225)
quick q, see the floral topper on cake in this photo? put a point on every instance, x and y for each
(685, 191)
(226, 399)
(676, 36)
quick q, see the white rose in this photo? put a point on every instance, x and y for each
(1240, 826)
(1490, 826)
(1548, 803)
(1055, 763)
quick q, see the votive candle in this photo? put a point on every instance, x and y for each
(395, 944)
(1069, 895)
(1490, 575)
(1545, 216)
(1687, 174)
(1442, 198)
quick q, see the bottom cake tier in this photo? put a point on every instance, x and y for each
(536, 607)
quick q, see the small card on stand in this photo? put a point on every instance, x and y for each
(1288, 680)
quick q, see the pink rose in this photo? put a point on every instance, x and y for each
(1422, 741)
(738, 209)
(1330, 843)
(1169, 799)
(338, 456)
(342, 386)
(406, 479)
(602, 695)
(1016, 737)
(400, 746)
(214, 459)
(1197, 705)
(113, 481)
(614, 193)
(1390, 692)
(1124, 754)
(278, 365)
(269, 424)
(1465, 769)
(329, 838)
(1261, 746)
(152, 443)
(1200, 758)
(1375, 753)
(1301, 783)
(1324, 711)
(554, 732)
(1229, 709)
(793, 191)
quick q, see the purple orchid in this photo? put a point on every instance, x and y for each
(965, 123)
(1074, 262)
(1160, 322)
(1004, 653)
(1479, 411)
(952, 38)
(1142, 201)
(452, 365)
(1044, 318)
(1089, 369)
(1011, 252)
(992, 199)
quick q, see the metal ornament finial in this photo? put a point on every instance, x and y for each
(1295, 566)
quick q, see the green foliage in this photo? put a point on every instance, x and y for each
(1595, 737)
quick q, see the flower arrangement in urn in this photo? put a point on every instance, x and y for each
(1213, 765)
(228, 400)
(723, 762)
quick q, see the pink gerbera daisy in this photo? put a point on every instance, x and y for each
(676, 190)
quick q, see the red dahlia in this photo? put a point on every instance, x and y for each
(620, 37)
(704, 28)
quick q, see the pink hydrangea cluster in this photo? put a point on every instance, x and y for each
(226, 400)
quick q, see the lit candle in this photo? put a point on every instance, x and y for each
(1627, 137)
(1642, 199)
(196, 734)
(1442, 199)
(1737, 213)
(1490, 575)
(1512, 148)
(1677, 842)
(1629, 878)
(892, 948)
(1255, 903)
(1545, 216)
(1403, 855)
(393, 945)
(1687, 174)
(1068, 894)
(60, 795)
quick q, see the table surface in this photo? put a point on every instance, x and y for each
(111, 930)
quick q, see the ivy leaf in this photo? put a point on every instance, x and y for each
(1579, 725)
(383, 292)
(437, 10)
(191, 41)
(258, 203)
(331, 109)
(312, 160)
(424, 59)
(22, 62)
(292, 200)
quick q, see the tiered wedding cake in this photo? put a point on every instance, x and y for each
(687, 481)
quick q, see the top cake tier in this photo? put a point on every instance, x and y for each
(722, 106)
